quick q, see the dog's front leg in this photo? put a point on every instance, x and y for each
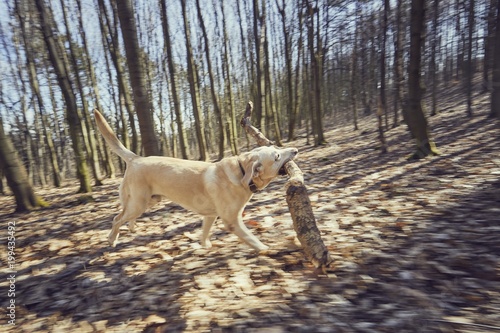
(240, 230)
(205, 231)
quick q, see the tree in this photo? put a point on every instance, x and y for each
(382, 109)
(17, 177)
(55, 56)
(495, 94)
(137, 72)
(228, 88)
(259, 31)
(433, 64)
(173, 84)
(89, 139)
(468, 63)
(398, 62)
(315, 48)
(289, 102)
(193, 87)
(215, 101)
(413, 113)
(35, 86)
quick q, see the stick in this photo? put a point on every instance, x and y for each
(298, 203)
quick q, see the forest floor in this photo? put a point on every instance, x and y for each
(415, 245)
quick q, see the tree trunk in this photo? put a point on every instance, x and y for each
(354, 67)
(215, 101)
(69, 97)
(414, 115)
(398, 63)
(16, 175)
(137, 72)
(259, 30)
(173, 84)
(382, 109)
(468, 64)
(316, 54)
(231, 115)
(304, 222)
(289, 100)
(193, 88)
(110, 32)
(495, 94)
(99, 147)
(433, 65)
(489, 44)
(89, 139)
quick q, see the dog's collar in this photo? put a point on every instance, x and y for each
(251, 185)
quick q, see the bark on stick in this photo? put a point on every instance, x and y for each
(298, 202)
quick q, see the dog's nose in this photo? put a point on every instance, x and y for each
(295, 151)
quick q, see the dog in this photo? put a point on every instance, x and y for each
(221, 189)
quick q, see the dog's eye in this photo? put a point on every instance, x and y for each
(277, 157)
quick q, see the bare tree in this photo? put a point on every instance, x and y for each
(382, 109)
(315, 48)
(172, 76)
(232, 127)
(495, 94)
(215, 101)
(468, 64)
(35, 86)
(63, 76)
(142, 102)
(413, 113)
(193, 87)
(16, 175)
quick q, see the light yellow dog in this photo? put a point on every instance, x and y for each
(220, 189)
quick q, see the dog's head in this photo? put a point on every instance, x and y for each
(263, 164)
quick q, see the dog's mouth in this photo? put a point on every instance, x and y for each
(282, 170)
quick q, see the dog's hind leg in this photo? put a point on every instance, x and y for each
(132, 209)
(152, 201)
(205, 232)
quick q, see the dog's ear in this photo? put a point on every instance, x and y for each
(253, 169)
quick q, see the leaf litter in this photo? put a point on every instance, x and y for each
(415, 248)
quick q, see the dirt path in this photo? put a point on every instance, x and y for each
(415, 246)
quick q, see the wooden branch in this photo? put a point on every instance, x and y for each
(298, 202)
(252, 131)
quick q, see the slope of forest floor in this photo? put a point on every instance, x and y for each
(416, 248)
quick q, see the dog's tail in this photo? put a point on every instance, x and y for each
(109, 136)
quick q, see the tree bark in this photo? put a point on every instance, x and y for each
(316, 55)
(99, 147)
(495, 94)
(259, 30)
(137, 72)
(468, 64)
(173, 84)
(382, 108)
(16, 175)
(69, 97)
(226, 73)
(193, 88)
(89, 139)
(414, 115)
(398, 63)
(304, 222)
(110, 36)
(215, 101)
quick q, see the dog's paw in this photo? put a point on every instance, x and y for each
(112, 240)
(131, 227)
(206, 244)
(262, 250)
